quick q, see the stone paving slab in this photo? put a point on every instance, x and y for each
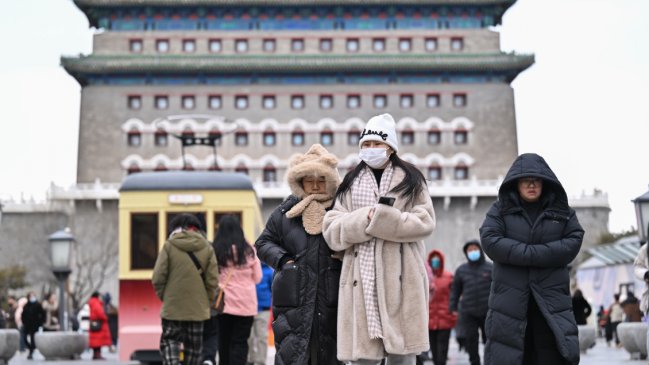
(598, 355)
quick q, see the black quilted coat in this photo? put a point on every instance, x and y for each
(530, 259)
(305, 293)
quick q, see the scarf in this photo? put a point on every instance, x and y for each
(312, 209)
(365, 193)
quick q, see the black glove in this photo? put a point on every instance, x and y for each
(283, 261)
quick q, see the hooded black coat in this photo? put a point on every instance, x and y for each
(305, 293)
(530, 259)
(471, 283)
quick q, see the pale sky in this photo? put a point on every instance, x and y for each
(584, 104)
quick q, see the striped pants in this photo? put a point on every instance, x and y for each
(189, 333)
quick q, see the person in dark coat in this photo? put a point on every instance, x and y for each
(12, 306)
(112, 314)
(470, 291)
(580, 307)
(305, 287)
(531, 234)
(441, 320)
(33, 317)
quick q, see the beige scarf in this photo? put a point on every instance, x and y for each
(312, 209)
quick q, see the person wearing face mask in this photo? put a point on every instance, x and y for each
(532, 235)
(470, 292)
(382, 214)
(441, 319)
(33, 317)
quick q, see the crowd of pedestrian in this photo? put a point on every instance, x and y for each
(29, 316)
(341, 274)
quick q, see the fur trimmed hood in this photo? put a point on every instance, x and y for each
(317, 161)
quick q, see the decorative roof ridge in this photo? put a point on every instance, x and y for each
(91, 7)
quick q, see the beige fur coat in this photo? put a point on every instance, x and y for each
(401, 280)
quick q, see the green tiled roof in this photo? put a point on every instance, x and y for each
(111, 3)
(230, 64)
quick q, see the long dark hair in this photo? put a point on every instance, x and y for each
(412, 185)
(230, 234)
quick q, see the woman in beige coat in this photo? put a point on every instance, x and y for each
(381, 215)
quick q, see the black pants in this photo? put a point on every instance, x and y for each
(30, 342)
(210, 339)
(233, 338)
(472, 327)
(540, 344)
(614, 331)
(439, 345)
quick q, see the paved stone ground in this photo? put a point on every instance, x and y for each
(598, 355)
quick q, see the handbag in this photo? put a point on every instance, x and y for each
(95, 326)
(219, 304)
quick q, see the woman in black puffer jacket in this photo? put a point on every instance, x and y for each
(531, 234)
(305, 286)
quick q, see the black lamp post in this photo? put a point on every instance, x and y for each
(642, 214)
(60, 254)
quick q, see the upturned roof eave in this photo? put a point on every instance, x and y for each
(80, 67)
(316, 63)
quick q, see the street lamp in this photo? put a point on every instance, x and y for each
(60, 254)
(642, 214)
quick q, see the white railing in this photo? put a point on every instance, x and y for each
(596, 199)
(464, 188)
(279, 190)
(271, 190)
(85, 191)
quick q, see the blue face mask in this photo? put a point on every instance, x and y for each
(473, 255)
(435, 262)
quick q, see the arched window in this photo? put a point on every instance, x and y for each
(160, 167)
(461, 172)
(216, 135)
(408, 137)
(353, 136)
(327, 138)
(133, 168)
(241, 168)
(434, 136)
(269, 138)
(297, 138)
(241, 138)
(434, 172)
(461, 136)
(161, 138)
(269, 174)
(187, 132)
(134, 138)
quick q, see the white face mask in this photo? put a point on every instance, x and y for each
(374, 157)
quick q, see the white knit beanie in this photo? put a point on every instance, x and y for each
(380, 128)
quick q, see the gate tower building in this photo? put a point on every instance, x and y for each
(266, 79)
